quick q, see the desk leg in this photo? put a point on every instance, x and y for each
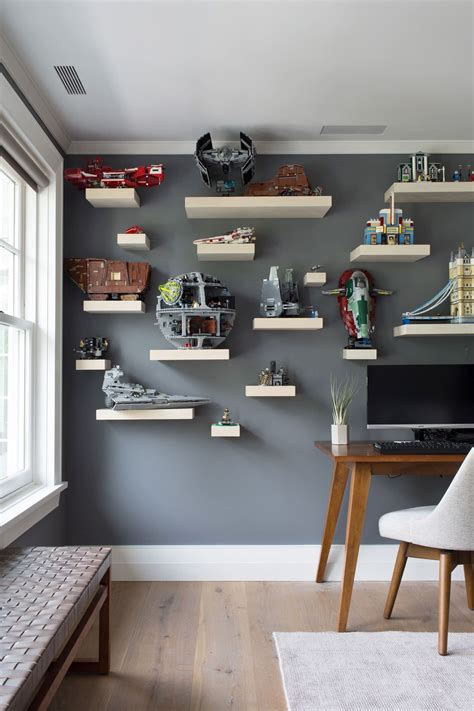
(338, 487)
(360, 485)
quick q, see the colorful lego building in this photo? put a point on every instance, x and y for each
(419, 168)
(461, 276)
(390, 227)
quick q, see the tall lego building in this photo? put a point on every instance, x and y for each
(461, 274)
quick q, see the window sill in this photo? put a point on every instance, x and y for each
(26, 509)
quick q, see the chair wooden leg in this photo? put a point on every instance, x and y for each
(445, 565)
(397, 575)
(469, 578)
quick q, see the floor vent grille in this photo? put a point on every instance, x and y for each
(70, 79)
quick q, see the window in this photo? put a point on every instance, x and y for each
(17, 326)
(31, 203)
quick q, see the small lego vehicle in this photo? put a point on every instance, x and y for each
(241, 235)
(92, 348)
(289, 180)
(281, 298)
(103, 279)
(97, 175)
(134, 230)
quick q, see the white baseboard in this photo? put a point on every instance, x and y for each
(293, 562)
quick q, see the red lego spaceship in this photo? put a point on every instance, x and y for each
(97, 175)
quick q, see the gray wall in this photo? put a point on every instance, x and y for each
(170, 483)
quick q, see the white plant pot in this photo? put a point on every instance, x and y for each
(339, 434)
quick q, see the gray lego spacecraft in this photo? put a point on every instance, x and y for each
(195, 310)
(224, 160)
(133, 396)
(280, 298)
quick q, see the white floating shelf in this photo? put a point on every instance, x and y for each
(191, 354)
(134, 242)
(287, 324)
(314, 279)
(225, 430)
(359, 354)
(185, 413)
(115, 307)
(93, 364)
(225, 252)
(390, 253)
(434, 329)
(113, 197)
(270, 390)
(275, 206)
(431, 192)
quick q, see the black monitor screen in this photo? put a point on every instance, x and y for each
(420, 396)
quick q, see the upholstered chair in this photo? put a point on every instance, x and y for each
(444, 532)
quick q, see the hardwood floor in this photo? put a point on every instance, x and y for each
(208, 646)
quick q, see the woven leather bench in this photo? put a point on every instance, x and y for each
(49, 600)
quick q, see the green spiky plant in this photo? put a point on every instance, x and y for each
(342, 394)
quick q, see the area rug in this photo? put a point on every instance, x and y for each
(376, 671)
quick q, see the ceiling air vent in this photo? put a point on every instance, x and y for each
(70, 79)
(352, 130)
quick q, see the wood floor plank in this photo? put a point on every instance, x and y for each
(209, 647)
(223, 667)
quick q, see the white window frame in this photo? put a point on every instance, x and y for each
(22, 318)
(31, 503)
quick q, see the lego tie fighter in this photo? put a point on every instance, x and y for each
(225, 160)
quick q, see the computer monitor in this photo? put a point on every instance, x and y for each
(420, 397)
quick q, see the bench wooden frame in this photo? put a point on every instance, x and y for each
(100, 605)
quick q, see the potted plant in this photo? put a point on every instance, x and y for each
(342, 394)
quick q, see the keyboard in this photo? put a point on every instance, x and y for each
(426, 447)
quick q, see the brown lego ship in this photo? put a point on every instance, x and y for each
(289, 180)
(103, 279)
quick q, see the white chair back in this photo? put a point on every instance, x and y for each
(452, 522)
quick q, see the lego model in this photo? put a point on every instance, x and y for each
(225, 160)
(273, 377)
(390, 227)
(281, 298)
(226, 420)
(240, 235)
(419, 168)
(134, 230)
(133, 396)
(97, 175)
(356, 295)
(103, 279)
(92, 348)
(457, 174)
(195, 310)
(289, 180)
(459, 290)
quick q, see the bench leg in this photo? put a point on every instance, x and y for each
(101, 665)
(104, 629)
(57, 670)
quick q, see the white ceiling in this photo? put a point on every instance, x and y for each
(169, 71)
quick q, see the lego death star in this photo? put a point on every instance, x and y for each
(195, 310)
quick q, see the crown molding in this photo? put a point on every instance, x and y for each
(26, 87)
(321, 147)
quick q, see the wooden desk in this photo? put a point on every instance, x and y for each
(364, 461)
